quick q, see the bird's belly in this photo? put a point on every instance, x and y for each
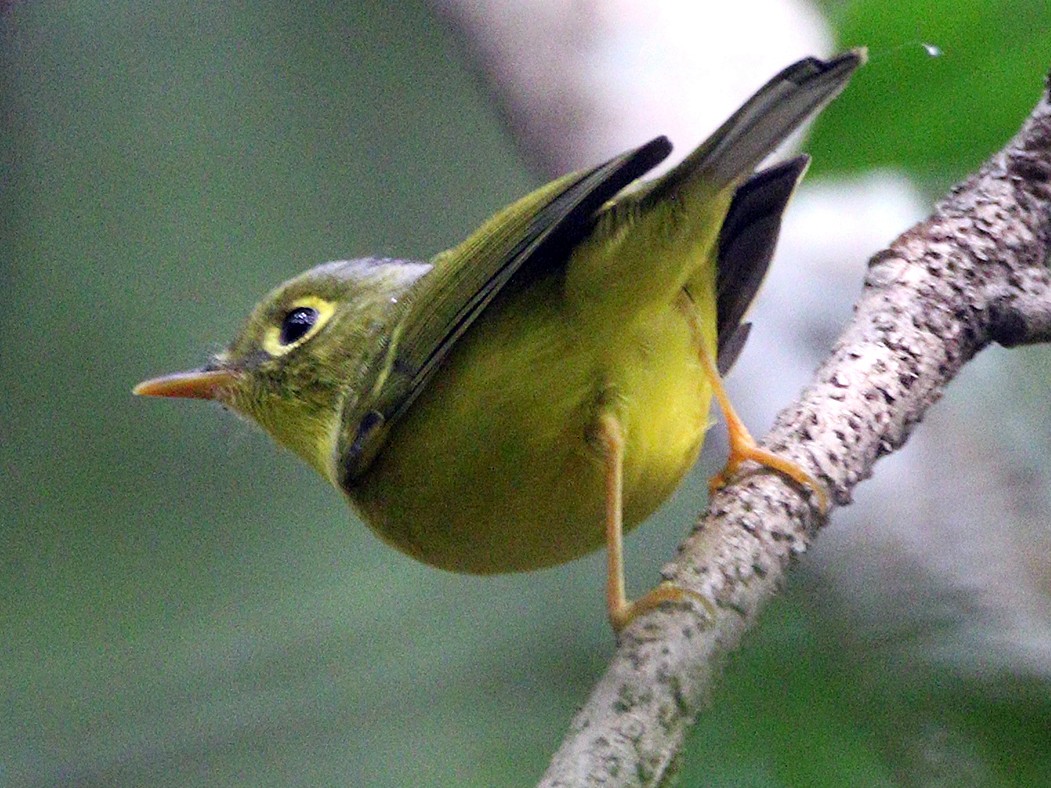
(496, 467)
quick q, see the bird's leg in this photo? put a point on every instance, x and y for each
(622, 611)
(743, 446)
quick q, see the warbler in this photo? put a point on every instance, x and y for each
(523, 398)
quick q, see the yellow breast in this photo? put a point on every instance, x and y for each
(494, 468)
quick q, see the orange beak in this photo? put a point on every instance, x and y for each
(195, 384)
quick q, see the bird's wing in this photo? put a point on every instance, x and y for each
(746, 244)
(531, 235)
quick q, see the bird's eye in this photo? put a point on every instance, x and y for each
(297, 323)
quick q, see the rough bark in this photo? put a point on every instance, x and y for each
(973, 273)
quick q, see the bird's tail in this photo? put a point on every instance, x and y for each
(651, 243)
(761, 124)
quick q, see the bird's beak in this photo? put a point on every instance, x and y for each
(194, 384)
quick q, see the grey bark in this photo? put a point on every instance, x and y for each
(973, 273)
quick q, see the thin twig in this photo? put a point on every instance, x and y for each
(975, 272)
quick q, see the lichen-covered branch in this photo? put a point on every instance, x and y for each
(975, 272)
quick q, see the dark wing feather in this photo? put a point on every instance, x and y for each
(456, 295)
(746, 245)
(540, 230)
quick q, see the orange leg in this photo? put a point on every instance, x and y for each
(621, 610)
(743, 446)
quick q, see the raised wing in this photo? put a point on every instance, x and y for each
(532, 235)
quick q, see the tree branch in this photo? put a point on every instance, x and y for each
(973, 273)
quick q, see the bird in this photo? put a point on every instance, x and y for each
(525, 397)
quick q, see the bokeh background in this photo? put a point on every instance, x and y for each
(183, 603)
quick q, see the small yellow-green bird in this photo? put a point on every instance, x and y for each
(526, 396)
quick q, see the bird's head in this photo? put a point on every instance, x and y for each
(305, 348)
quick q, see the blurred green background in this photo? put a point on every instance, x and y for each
(183, 603)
